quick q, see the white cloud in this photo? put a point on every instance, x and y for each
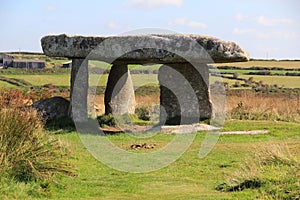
(152, 4)
(243, 31)
(280, 35)
(178, 21)
(50, 8)
(113, 25)
(241, 17)
(262, 20)
(273, 35)
(190, 24)
(194, 24)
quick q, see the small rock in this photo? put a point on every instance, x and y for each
(52, 108)
(142, 146)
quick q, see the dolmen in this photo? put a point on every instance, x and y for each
(183, 76)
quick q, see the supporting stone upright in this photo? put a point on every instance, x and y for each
(184, 93)
(79, 90)
(119, 94)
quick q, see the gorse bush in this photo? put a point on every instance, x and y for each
(26, 152)
(18, 99)
(13, 98)
(107, 120)
(143, 113)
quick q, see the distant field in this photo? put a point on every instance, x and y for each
(142, 79)
(64, 79)
(246, 71)
(103, 65)
(40, 80)
(268, 64)
(286, 81)
(50, 62)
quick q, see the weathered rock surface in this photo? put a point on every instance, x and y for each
(184, 94)
(52, 108)
(140, 49)
(119, 94)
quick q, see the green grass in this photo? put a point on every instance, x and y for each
(187, 178)
(246, 71)
(268, 64)
(40, 80)
(103, 65)
(64, 79)
(6, 85)
(143, 79)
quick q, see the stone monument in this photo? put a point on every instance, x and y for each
(179, 107)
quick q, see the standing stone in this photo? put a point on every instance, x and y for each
(79, 90)
(184, 93)
(119, 94)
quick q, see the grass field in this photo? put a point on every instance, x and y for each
(254, 63)
(286, 81)
(245, 71)
(6, 85)
(268, 64)
(64, 79)
(187, 178)
(141, 79)
(103, 65)
(40, 80)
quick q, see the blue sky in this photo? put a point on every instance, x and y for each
(265, 28)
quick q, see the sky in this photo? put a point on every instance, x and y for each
(267, 29)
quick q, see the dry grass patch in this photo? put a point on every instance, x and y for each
(247, 105)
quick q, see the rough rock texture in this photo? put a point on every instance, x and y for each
(119, 94)
(184, 93)
(52, 108)
(167, 48)
(79, 90)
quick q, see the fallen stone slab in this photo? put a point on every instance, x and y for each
(253, 132)
(187, 128)
(177, 129)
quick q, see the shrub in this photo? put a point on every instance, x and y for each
(147, 90)
(236, 84)
(26, 152)
(143, 113)
(261, 73)
(107, 120)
